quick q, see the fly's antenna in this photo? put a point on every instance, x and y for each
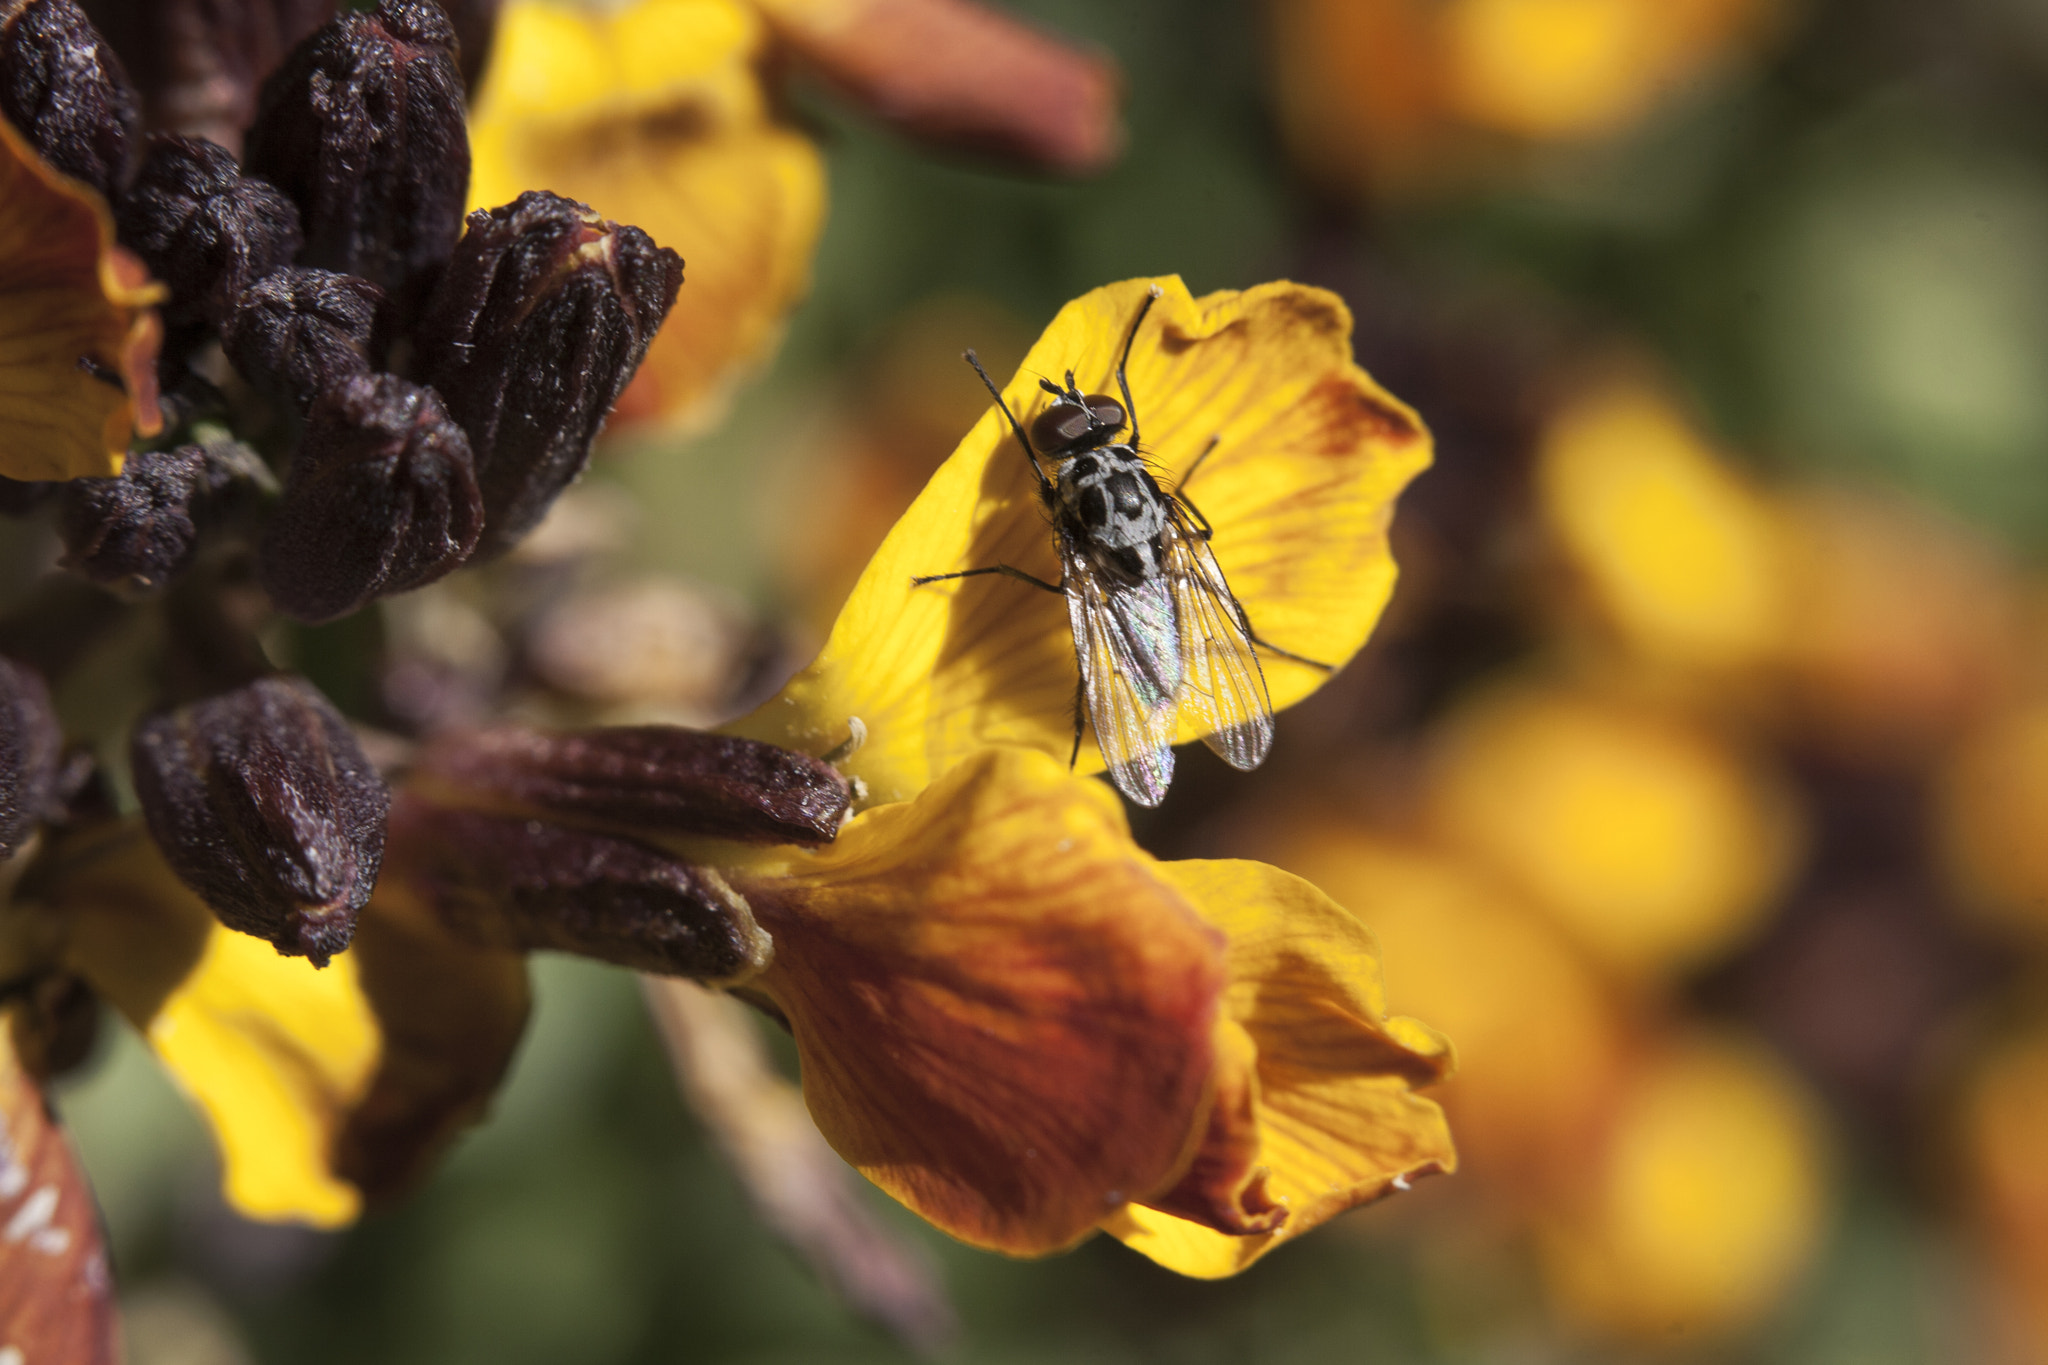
(1044, 484)
(1123, 362)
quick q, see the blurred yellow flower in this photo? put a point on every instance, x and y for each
(1412, 94)
(656, 114)
(1679, 555)
(1707, 1200)
(78, 336)
(1300, 489)
(1540, 1041)
(1654, 843)
(2004, 1130)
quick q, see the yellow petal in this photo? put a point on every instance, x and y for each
(321, 1086)
(655, 115)
(1300, 490)
(68, 295)
(1339, 1122)
(1004, 1011)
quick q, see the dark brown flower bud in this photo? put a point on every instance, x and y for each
(529, 884)
(543, 315)
(30, 743)
(380, 498)
(204, 228)
(65, 91)
(646, 779)
(142, 529)
(263, 803)
(302, 332)
(363, 127)
(199, 63)
(21, 497)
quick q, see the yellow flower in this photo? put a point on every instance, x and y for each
(1705, 1201)
(1010, 1017)
(2003, 1130)
(656, 115)
(1649, 840)
(78, 339)
(1992, 800)
(1300, 488)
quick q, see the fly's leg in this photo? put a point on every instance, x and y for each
(1003, 569)
(1123, 384)
(1045, 489)
(1181, 495)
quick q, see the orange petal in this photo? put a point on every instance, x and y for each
(1300, 489)
(1339, 1123)
(655, 115)
(56, 1297)
(77, 338)
(961, 76)
(1003, 1009)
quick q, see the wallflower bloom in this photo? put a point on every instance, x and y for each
(78, 334)
(1300, 488)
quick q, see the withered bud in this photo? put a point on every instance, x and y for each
(30, 744)
(647, 779)
(204, 228)
(301, 332)
(542, 317)
(263, 803)
(363, 127)
(380, 498)
(198, 63)
(529, 884)
(142, 529)
(65, 91)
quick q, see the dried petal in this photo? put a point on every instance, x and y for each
(528, 884)
(363, 128)
(542, 317)
(961, 76)
(65, 90)
(29, 745)
(142, 528)
(204, 228)
(263, 803)
(198, 63)
(381, 498)
(650, 779)
(303, 332)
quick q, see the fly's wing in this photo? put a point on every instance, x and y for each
(1129, 653)
(1223, 683)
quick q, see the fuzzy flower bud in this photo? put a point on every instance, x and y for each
(540, 320)
(204, 228)
(529, 884)
(29, 745)
(303, 332)
(64, 89)
(263, 803)
(142, 529)
(363, 127)
(380, 498)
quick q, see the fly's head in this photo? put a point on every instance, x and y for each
(1075, 421)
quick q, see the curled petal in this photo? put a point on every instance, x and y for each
(78, 341)
(1300, 487)
(1337, 1120)
(655, 116)
(322, 1087)
(961, 76)
(1004, 1011)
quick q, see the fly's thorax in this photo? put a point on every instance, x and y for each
(1113, 511)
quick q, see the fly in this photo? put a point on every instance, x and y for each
(1156, 627)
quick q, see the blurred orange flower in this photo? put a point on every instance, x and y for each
(2004, 1117)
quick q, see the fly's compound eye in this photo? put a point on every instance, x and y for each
(1061, 427)
(1106, 413)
